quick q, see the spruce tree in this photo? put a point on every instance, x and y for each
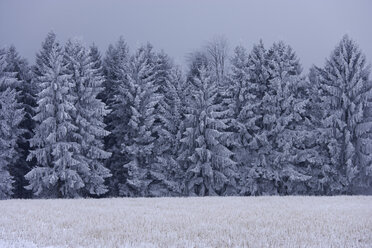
(252, 76)
(26, 98)
(11, 115)
(270, 120)
(138, 94)
(96, 60)
(285, 122)
(345, 97)
(363, 182)
(168, 122)
(58, 172)
(116, 69)
(209, 169)
(325, 177)
(88, 116)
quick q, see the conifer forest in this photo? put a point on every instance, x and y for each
(127, 122)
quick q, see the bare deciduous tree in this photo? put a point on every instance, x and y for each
(217, 53)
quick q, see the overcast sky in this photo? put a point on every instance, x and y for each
(312, 28)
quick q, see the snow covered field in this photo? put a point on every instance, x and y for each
(344, 221)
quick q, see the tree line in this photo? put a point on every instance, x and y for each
(76, 124)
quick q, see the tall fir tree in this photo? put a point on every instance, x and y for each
(284, 121)
(288, 120)
(88, 116)
(345, 97)
(270, 120)
(253, 79)
(139, 95)
(58, 173)
(26, 97)
(116, 68)
(209, 168)
(96, 60)
(326, 179)
(363, 182)
(114, 65)
(168, 123)
(11, 115)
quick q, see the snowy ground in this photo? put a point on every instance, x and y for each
(188, 222)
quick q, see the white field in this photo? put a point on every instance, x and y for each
(343, 221)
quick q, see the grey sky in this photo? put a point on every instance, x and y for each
(313, 28)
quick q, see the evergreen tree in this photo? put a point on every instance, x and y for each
(88, 116)
(168, 120)
(116, 69)
(11, 114)
(345, 97)
(271, 120)
(114, 66)
(251, 75)
(325, 177)
(285, 120)
(209, 167)
(292, 153)
(196, 61)
(282, 59)
(58, 173)
(96, 60)
(138, 94)
(363, 182)
(243, 113)
(26, 98)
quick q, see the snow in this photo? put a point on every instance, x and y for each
(293, 221)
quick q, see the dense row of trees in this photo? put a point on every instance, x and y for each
(132, 124)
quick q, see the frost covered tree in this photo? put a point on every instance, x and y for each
(284, 118)
(346, 94)
(11, 115)
(296, 154)
(96, 60)
(196, 60)
(116, 71)
(256, 106)
(26, 98)
(272, 122)
(209, 168)
(249, 79)
(363, 182)
(168, 123)
(138, 95)
(216, 51)
(58, 172)
(117, 57)
(287, 124)
(10, 118)
(88, 116)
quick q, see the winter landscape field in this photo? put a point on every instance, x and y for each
(294, 221)
(185, 123)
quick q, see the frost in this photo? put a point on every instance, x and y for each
(341, 221)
